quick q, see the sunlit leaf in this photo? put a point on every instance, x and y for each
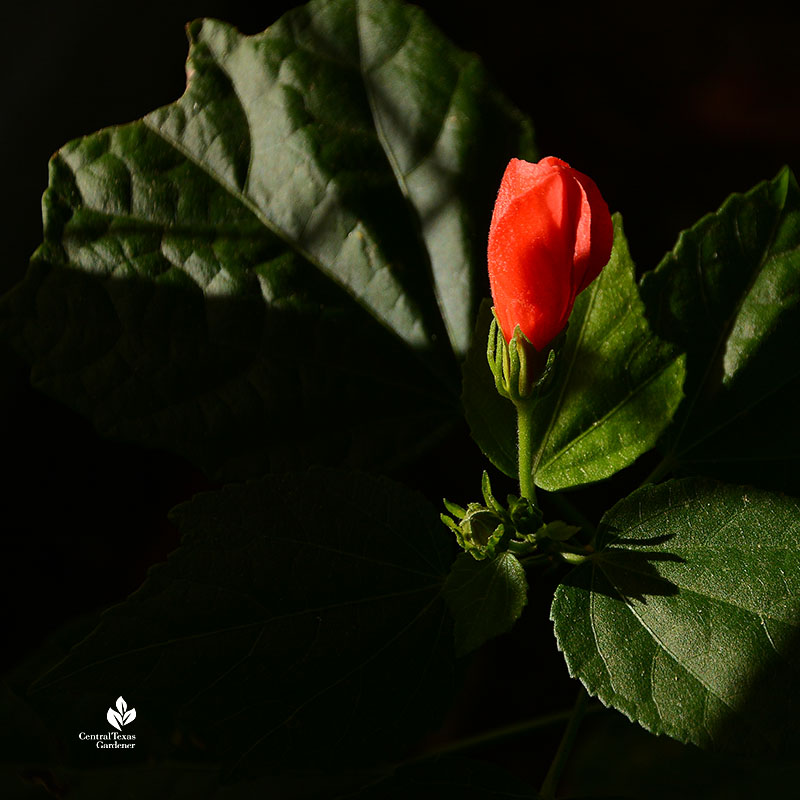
(687, 618)
(280, 268)
(728, 294)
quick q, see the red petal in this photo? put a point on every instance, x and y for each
(519, 178)
(531, 247)
(594, 236)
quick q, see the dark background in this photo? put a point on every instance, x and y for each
(668, 107)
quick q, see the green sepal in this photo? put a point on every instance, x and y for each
(488, 497)
(454, 509)
(558, 531)
(521, 373)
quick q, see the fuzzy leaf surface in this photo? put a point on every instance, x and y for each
(728, 295)
(687, 618)
(619, 384)
(272, 633)
(485, 597)
(304, 226)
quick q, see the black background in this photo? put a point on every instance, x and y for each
(668, 107)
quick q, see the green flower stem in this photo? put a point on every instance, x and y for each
(548, 790)
(527, 487)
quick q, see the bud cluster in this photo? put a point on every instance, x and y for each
(488, 529)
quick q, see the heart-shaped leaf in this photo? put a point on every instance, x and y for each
(485, 597)
(687, 618)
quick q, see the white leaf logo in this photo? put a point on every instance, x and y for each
(122, 716)
(114, 718)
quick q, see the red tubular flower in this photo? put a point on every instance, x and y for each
(551, 235)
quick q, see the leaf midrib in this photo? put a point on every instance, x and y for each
(268, 223)
(596, 424)
(669, 653)
(399, 176)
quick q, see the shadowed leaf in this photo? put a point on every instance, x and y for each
(728, 294)
(485, 597)
(289, 608)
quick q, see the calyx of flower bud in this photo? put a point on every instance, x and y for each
(551, 235)
(521, 374)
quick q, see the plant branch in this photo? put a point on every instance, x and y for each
(548, 790)
(507, 732)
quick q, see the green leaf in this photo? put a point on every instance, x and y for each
(686, 619)
(617, 388)
(619, 384)
(728, 294)
(441, 778)
(485, 597)
(286, 258)
(299, 622)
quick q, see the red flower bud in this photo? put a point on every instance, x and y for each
(551, 235)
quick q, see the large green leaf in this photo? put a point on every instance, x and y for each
(485, 597)
(299, 622)
(728, 294)
(687, 617)
(286, 258)
(617, 388)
